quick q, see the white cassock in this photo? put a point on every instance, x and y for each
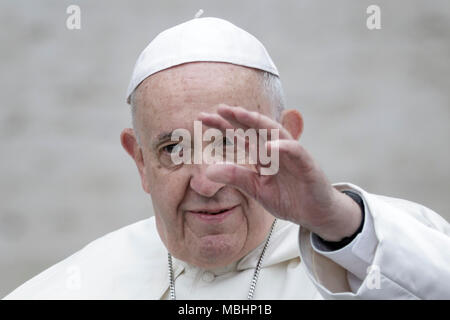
(403, 252)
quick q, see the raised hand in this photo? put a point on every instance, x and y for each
(299, 192)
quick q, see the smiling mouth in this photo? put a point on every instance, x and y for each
(213, 212)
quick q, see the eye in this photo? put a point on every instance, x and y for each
(172, 148)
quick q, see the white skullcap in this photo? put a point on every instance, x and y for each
(200, 39)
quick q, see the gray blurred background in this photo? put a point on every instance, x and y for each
(376, 106)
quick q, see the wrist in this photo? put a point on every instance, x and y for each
(347, 219)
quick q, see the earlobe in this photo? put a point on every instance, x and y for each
(292, 120)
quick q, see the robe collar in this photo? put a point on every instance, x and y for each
(283, 246)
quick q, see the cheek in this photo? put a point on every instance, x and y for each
(167, 190)
(166, 197)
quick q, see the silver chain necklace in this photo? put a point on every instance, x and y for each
(255, 274)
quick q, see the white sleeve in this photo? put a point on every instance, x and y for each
(402, 252)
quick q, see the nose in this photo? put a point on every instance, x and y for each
(201, 184)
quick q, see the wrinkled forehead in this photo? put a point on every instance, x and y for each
(199, 78)
(174, 97)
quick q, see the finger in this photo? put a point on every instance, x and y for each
(293, 151)
(216, 121)
(234, 175)
(226, 112)
(213, 120)
(251, 119)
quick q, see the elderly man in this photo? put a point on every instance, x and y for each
(224, 230)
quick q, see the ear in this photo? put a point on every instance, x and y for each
(131, 146)
(292, 120)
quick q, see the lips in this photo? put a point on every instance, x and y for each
(212, 212)
(213, 215)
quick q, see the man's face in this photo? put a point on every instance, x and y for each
(173, 99)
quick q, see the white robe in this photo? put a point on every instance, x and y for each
(406, 246)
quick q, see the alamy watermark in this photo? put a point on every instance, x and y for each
(373, 280)
(73, 21)
(373, 21)
(73, 279)
(250, 147)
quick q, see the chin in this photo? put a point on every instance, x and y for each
(217, 251)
